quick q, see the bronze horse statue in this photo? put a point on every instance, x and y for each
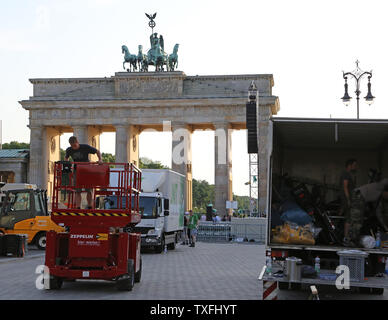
(142, 60)
(129, 58)
(173, 59)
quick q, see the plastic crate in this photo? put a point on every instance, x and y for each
(355, 261)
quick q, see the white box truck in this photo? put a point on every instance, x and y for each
(162, 205)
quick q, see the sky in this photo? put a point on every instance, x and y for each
(305, 45)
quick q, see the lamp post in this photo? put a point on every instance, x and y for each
(357, 74)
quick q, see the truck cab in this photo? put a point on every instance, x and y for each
(24, 211)
(154, 219)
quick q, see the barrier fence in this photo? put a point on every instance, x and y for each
(239, 230)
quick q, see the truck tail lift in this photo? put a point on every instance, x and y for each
(96, 244)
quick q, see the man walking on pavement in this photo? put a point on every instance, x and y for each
(185, 228)
(80, 153)
(193, 225)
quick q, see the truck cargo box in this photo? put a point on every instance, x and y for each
(315, 151)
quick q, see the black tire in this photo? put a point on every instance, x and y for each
(296, 286)
(159, 249)
(378, 291)
(283, 285)
(138, 274)
(126, 283)
(40, 240)
(171, 246)
(55, 283)
(364, 290)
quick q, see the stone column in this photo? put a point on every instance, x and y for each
(223, 167)
(81, 132)
(94, 140)
(38, 167)
(51, 150)
(265, 145)
(127, 144)
(181, 160)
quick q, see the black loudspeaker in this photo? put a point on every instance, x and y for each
(209, 213)
(252, 119)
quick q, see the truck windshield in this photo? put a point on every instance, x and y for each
(147, 205)
(148, 208)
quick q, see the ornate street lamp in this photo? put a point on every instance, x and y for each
(357, 75)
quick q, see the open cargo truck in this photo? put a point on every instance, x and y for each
(313, 153)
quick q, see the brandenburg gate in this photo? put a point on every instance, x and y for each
(129, 103)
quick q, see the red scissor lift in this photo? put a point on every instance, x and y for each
(97, 243)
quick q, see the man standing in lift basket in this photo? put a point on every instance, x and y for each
(80, 153)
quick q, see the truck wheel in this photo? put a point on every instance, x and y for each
(138, 274)
(55, 283)
(159, 249)
(378, 291)
(296, 286)
(171, 246)
(364, 290)
(127, 283)
(40, 241)
(283, 285)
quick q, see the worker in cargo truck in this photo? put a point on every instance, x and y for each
(80, 153)
(347, 185)
(368, 193)
(382, 210)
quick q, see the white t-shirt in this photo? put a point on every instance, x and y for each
(372, 191)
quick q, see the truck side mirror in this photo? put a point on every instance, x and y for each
(166, 204)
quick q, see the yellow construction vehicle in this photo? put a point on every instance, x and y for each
(24, 211)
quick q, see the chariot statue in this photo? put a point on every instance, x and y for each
(156, 55)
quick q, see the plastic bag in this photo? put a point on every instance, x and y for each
(368, 242)
(291, 233)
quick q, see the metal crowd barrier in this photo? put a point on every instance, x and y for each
(239, 230)
(252, 230)
(213, 231)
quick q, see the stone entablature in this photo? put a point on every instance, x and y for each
(161, 85)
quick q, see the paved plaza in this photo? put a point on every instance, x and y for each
(208, 271)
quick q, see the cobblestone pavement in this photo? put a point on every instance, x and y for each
(208, 271)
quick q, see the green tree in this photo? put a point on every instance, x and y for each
(108, 157)
(146, 163)
(203, 194)
(242, 201)
(16, 145)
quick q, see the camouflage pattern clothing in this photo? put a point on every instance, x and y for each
(356, 215)
(382, 213)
